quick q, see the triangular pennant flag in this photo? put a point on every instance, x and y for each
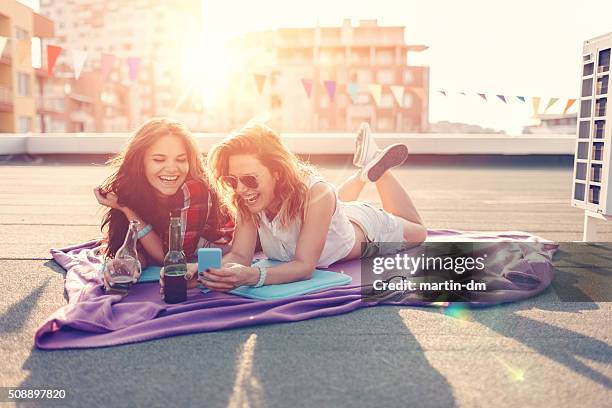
(483, 96)
(502, 98)
(3, 41)
(376, 91)
(133, 65)
(108, 60)
(353, 90)
(78, 61)
(53, 51)
(420, 92)
(398, 92)
(24, 49)
(443, 92)
(260, 81)
(330, 87)
(535, 101)
(521, 98)
(569, 104)
(551, 102)
(307, 84)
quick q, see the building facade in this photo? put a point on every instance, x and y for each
(157, 32)
(359, 55)
(19, 24)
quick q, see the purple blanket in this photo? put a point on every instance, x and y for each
(93, 319)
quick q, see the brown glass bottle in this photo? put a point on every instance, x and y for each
(175, 265)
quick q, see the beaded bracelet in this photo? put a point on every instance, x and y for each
(147, 228)
(262, 276)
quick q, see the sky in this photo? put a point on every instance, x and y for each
(519, 47)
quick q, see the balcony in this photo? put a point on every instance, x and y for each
(7, 54)
(6, 99)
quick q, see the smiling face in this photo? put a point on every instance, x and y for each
(261, 197)
(166, 165)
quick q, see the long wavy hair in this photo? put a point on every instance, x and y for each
(264, 144)
(133, 190)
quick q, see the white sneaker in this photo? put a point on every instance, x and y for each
(365, 146)
(386, 159)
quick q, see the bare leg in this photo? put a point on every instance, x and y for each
(351, 188)
(395, 200)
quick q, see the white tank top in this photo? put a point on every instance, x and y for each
(280, 243)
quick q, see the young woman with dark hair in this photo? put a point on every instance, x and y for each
(161, 170)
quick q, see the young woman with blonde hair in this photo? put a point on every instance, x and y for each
(299, 217)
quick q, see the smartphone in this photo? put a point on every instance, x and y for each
(208, 258)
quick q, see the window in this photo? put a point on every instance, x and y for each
(384, 76)
(384, 57)
(24, 124)
(21, 34)
(407, 100)
(23, 84)
(364, 76)
(386, 100)
(408, 77)
(604, 61)
(324, 101)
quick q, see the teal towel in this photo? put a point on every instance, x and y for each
(320, 280)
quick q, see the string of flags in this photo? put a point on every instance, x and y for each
(353, 89)
(78, 58)
(535, 101)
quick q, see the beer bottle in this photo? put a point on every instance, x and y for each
(175, 264)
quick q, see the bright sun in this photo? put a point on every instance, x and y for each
(208, 66)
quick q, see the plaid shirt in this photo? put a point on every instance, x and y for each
(201, 218)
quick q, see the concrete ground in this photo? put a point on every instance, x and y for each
(541, 352)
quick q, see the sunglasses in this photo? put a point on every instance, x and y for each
(247, 181)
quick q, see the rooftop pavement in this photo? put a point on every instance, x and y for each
(540, 352)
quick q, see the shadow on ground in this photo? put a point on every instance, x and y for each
(304, 364)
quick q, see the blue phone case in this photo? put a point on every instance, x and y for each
(209, 258)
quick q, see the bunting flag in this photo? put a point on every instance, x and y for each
(443, 92)
(398, 92)
(419, 92)
(307, 84)
(535, 101)
(78, 61)
(551, 102)
(24, 50)
(521, 98)
(53, 51)
(133, 65)
(376, 91)
(330, 87)
(353, 90)
(3, 41)
(483, 96)
(260, 81)
(569, 104)
(502, 98)
(108, 60)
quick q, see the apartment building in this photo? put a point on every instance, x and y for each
(20, 25)
(361, 55)
(155, 31)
